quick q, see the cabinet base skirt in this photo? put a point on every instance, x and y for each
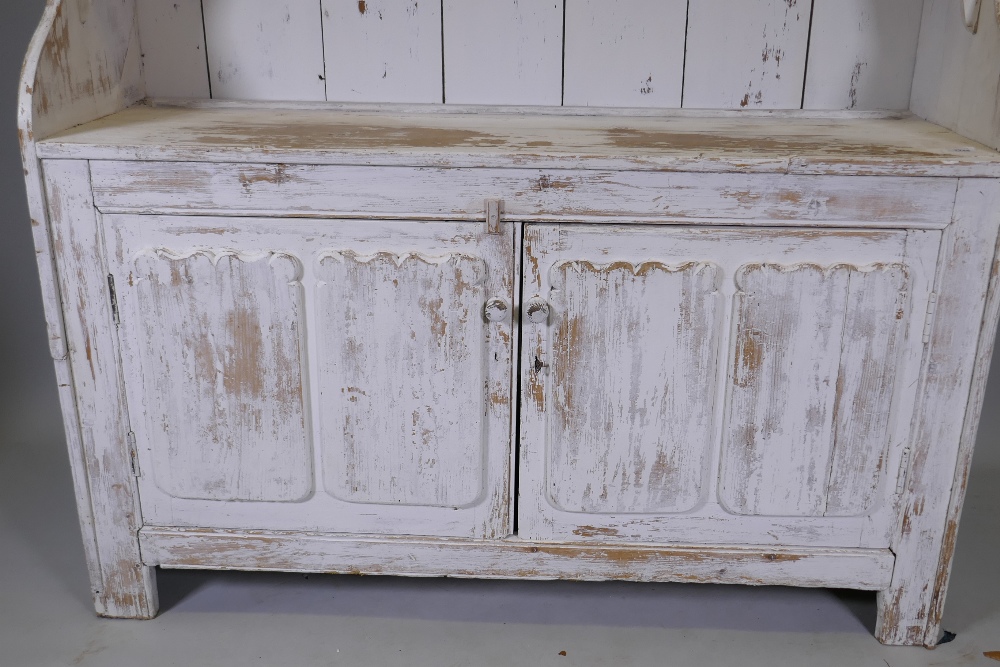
(513, 558)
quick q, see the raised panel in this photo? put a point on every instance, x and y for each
(632, 398)
(216, 342)
(383, 50)
(627, 53)
(815, 355)
(749, 54)
(265, 49)
(401, 376)
(503, 52)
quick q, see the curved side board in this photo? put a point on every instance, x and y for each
(83, 63)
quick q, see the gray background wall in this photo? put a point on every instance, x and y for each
(222, 619)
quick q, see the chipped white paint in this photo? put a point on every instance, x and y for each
(402, 357)
(265, 49)
(861, 54)
(173, 48)
(303, 256)
(809, 438)
(383, 50)
(503, 52)
(630, 406)
(212, 355)
(749, 55)
(626, 53)
(689, 352)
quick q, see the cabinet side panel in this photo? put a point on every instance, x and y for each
(627, 53)
(749, 54)
(216, 341)
(265, 49)
(632, 405)
(402, 377)
(383, 51)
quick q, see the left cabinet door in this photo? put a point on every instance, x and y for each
(326, 375)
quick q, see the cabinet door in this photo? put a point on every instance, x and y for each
(719, 385)
(338, 376)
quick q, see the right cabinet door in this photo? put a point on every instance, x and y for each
(719, 385)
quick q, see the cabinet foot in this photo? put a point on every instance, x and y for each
(129, 592)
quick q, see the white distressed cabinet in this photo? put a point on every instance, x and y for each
(535, 342)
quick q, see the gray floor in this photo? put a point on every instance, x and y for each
(239, 619)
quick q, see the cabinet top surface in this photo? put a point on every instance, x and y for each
(778, 142)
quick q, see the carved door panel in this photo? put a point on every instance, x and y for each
(339, 376)
(720, 385)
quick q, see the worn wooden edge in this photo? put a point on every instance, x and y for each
(865, 569)
(925, 533)
(33, 183)
(974, 408)
(667, 163)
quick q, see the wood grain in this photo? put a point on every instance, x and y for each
(400, 370)
(213, 342)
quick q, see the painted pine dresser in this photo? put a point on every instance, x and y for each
(371, 320)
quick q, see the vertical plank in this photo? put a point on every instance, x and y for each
(626, 53)
(503, 52)
(265, 49)
(173, 48)
(125, 588)
(749, 54)
(631, 405)
(861, 54)
(956, 79)
(383, 50)
(943, 435)
(212, 348)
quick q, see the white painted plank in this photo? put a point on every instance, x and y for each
(629, 197)
(839, 568)
(265, 49)
(749, 54)
(861, 54)
(503, 52)
(626, 53)
(956, 78)
(383, 50)
(172, 36)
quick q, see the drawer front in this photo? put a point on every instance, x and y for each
(337, 376)
(719, 385)
(528, 194)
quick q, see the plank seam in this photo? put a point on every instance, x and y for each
(208, 65)
(805, 68)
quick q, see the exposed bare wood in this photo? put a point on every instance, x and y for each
(858, 568)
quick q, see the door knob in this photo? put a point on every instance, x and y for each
(497, 309)
(537, 310)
